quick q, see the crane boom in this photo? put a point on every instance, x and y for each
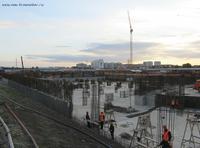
(131, 29)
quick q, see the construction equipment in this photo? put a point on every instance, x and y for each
(166, 117)
(191, 134)
(109, 117)
(22, 62)
(85, 94)
(94, 103)
(131, 93)
(197, 85)
(131, 40)
(16, 63)
(142, 134)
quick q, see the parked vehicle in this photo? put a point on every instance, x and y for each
(197, 85)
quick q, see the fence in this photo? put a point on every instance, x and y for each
(60, 106)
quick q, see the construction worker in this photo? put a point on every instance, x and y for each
(166, 138)
(101, 119)
(88, 119)
(112, 129)
(173, 103)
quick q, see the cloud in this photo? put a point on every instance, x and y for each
(180, 54)
(8, 24)
(194, 45)
(113, 48)
(110, 52)
(63, 46)
(62, 58)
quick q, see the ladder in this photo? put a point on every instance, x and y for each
(143, 135)
(192, 127)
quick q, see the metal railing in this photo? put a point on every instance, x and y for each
(10, 142)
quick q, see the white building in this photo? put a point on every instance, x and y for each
(148, 63)
(157, 63)
(97, 64)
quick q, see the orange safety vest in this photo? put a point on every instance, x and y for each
(165, 136)
(173, 102)
(101, 117)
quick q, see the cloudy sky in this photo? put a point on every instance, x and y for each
(66, 32)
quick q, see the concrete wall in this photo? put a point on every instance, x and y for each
(178, 101)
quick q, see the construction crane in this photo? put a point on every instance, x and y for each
(16, 62)
(131, 40)
(22, 62)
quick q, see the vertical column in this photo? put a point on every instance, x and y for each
(94, 103)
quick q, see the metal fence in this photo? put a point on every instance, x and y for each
(59, 105)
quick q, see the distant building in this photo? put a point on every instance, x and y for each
(148, 63)
(157, 63)
(112, 65)
(97, 64)
(132, 66)
(81, 65)
(167, 66)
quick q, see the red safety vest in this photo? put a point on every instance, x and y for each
(165, 136)
(101, 117)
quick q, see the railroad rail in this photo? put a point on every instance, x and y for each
(83, 131)
(7, 130)
(21, 124)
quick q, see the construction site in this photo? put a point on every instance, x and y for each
(55, 109)
(138, 105)
(120, 105)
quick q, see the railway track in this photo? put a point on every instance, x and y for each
(22, 105)
(21, 124)
(14, 131)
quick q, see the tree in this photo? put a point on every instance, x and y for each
(187, 65)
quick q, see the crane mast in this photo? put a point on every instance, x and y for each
(131, 40)
(22, 62)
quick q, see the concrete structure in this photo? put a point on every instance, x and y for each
(97, 64)
(148, 63)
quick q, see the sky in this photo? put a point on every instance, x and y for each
(66, 32)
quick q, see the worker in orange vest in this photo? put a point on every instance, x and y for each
(101, 119)
(166, 138)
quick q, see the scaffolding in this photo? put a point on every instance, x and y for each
(166, 116)
(142, 134)
(191, 136)
(131, 93)
(109, 118)
(94, 103)
(85, 95)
